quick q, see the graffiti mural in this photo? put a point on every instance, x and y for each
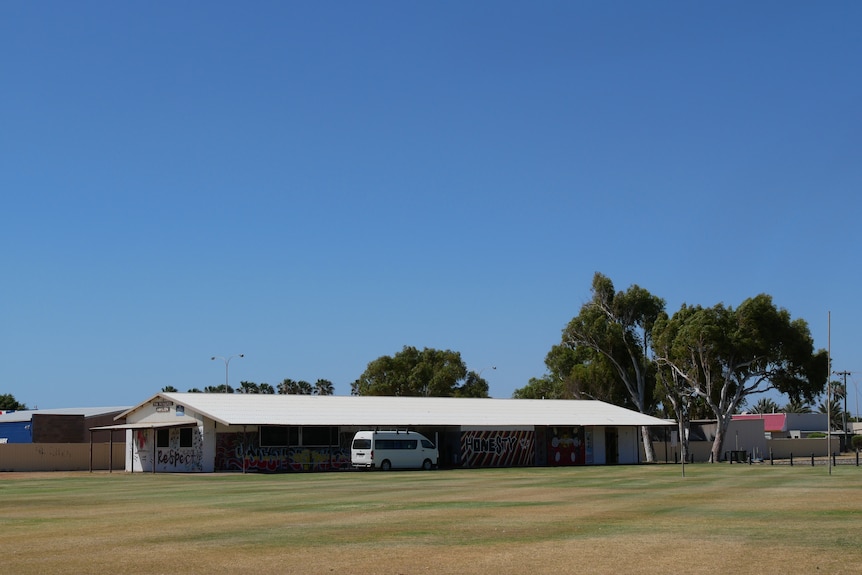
(173, 457)
(232, 449)
(497, 448)
(566, 446)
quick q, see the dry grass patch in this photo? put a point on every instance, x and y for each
(646, 519)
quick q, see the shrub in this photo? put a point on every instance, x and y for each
(856, 442)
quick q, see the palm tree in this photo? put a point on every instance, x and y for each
(266, 389)
(248, 387)
(797, 406)
(291, 387)
(765, 405)
(835, 412)
(324, 387)
(169, 389)
(223, 388)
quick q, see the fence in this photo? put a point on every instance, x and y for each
(776, 448)
(61, 456)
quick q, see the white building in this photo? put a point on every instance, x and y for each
(235, 432)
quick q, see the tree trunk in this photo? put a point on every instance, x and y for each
(720, 433)
(683, 438)
(649, 452)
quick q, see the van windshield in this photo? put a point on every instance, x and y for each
(361, 444)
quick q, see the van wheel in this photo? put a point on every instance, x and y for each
(426, 465)
(386, 465)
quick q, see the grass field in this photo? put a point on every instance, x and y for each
(603, 520)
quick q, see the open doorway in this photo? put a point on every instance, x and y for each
(612, 443)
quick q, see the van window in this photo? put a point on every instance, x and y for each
(396, 444)
(361, 444)
(427, 444)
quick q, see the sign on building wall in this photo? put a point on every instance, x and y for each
(497, 448)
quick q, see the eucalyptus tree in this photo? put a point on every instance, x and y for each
(610, 338)
(545, 387)
(8, 401)
(723, 356)
(424, 373)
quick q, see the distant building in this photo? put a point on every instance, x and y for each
(788, 425)
(66, 425)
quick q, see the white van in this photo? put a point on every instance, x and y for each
(392, 450)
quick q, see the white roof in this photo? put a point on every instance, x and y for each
(27, 414)
(259, 409)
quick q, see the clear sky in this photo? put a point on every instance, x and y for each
(318, 184)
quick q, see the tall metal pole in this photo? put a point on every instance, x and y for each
(226, 364)
(829, 392)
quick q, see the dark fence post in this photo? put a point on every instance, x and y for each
(791, 459)
(834, 459)
(771, 461)
(812, 460)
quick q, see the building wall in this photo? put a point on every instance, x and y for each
(240, 450)
(58, 428)
(498, 447)
(146, 456)
(60, 456)
(143, 453)
(15, 432)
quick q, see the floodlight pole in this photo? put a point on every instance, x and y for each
(829, 392)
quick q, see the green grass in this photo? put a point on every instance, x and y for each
(644, 519)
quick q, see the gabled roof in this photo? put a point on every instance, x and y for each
(254, 409)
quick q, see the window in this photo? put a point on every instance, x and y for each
(361, 444)
(163, 437)
(274, 435)
(319, 436)
(427, 444)
(284, 436)
(186, 437)
(396, 444)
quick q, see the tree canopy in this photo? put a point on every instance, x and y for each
(605, 350)
(8, 402)
(722, 356)
(423, 373)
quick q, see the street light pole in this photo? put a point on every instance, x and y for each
(226, 364)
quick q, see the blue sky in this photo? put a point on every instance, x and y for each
(316, 185)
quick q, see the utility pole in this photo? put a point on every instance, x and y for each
(845, 374)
